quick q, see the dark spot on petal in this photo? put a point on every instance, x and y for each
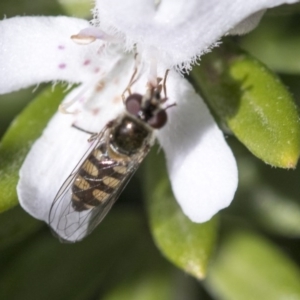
(96, 70)
(62, 66)
(61, 47)
(100, 86)
(95, 111)
(117, 99)
(86, 62)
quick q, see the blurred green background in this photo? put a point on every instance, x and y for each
(252, 251)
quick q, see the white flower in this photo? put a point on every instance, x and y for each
(167, 35)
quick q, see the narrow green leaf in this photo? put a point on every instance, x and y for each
(284, 9)
(161, 284)
(292, 82)
(12, 8)
(252, 102)
(77, 8)
(270, 197)
(15, 226)
(46, 269)
(156, 286)
(249, 267)
(17, 141)
(276, 212)
(188, 245)
(276, 42)
(12, 104)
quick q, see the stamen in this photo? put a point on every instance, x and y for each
(157, 3)
(62, 108)
(91, 34)
(152, 77)
(80, 97)
(82, 39)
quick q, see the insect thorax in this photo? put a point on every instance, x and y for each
(129, 135)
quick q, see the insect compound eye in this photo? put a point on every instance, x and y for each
(133, 103)
(158, 120)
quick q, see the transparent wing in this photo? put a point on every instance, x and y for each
(90, 191)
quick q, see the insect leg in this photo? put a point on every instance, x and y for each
(164, 83)
(132, 78)
(171, 105)
(83, 130)
(94, 135)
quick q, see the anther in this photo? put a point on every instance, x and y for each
(91, 34)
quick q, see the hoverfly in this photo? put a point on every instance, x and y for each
(95, 184)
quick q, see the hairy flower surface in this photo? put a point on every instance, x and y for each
(100, 56)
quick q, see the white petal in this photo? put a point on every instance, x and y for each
(180, 30)
(56, 153)
(39, 49)
(248, 24)
(201, 166)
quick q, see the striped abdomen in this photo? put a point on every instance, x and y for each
(98, 177)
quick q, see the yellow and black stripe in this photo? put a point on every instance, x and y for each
(96, 180)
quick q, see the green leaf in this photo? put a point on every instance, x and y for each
(160, 284)
(276, 212)
(17, 141)
(284, 9)
(77, 8)
(249, 267)
(276, 42)
(12, 104)
(188, 245)
(292, 82)
(15, 226)
(43, 268)
(12, 8)
(252, 102)
(156, 286)
(267, 196)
